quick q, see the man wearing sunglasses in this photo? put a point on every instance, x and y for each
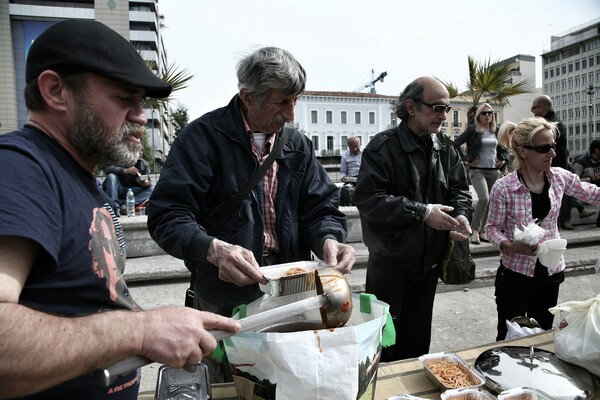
(542, 107)
(407, 212)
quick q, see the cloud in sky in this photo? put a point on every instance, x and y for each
(339, 42)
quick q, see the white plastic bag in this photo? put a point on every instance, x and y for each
(579, 342)
(531, 234)
(514, 330)
(550, 252)
(336, 363)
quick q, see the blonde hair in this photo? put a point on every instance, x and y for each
(479, 128)
(512, 135)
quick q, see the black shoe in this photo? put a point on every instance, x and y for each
(122, 210)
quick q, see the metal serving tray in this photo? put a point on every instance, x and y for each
(428, 359)
(524, 393)
(466, 394)
(280, 284)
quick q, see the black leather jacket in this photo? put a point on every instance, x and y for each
(388, 197)
(209, 162)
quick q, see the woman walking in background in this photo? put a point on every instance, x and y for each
(485, 156)
(533, 191)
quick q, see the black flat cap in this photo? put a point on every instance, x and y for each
(90, 46)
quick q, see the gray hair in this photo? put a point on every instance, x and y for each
(270, 68)
(414, 90)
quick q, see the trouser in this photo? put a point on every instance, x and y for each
(410, 296)
(116, 191)
(521, 295)
(482, 181)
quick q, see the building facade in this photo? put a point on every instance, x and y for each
(330, 118)
(21, 21)
(571, 77)
(520, 105)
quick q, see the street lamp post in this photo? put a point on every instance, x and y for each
(590, 93)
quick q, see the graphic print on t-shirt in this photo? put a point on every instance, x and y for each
(108, 254)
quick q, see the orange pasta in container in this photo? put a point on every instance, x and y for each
(449, 371)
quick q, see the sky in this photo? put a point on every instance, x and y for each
(340, 42)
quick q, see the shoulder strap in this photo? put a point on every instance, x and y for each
(231, 206)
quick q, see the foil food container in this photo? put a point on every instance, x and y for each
(466, 394)
(179, 384)
(524, 393)
(406, 397)
(475, 379)
(282, 279)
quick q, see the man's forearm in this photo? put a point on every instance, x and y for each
(39, 351)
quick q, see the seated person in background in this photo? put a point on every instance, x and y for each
(120, 179)
(351, 160)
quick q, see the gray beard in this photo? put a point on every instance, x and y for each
(96, 143)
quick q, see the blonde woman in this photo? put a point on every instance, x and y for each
(532, 191)
(485, 157)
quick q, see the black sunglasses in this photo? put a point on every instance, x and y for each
(544, 148)
(437, 108)
(486, 113)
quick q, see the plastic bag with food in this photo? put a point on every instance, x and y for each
(578, 342)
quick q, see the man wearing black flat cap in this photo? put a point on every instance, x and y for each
(65, 309)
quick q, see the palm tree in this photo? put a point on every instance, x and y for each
(179, 80)
(490, 82)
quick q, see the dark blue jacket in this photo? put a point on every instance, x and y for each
(209, 162)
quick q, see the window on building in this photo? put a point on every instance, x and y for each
(393, 119)
(314, 117)
(563, 85)
(551, 73)
(577, 81)
(329, 143)
(570, 83)
(315, 140)
(357, 117)
(563, 69)
(371, 118)
(557, 70)
(455, 121)
(570, 67)
(552, 88)
(577, 66)
(583, 64)
(329, 117)
(577, 96)
(344, 143)
(545, 74)
(344, 117)
(570, 98)
(591, 61)
(584, 80)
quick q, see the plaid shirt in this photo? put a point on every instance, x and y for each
(510, 207)
(269, 182)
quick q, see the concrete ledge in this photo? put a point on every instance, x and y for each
(140, 244)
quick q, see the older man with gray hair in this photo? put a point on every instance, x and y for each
(291, 212)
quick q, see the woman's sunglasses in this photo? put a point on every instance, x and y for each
(486, 113)
(544, 148)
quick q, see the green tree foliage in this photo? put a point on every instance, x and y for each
(489, 81)
(180, 118)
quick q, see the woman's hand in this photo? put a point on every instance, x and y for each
(519, 248)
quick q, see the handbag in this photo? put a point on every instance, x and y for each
(230, 208)
(457, 266)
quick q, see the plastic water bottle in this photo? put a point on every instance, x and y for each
(130, 203)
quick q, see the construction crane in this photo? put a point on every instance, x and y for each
(375, 80)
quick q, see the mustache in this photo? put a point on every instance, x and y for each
(131, 129)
